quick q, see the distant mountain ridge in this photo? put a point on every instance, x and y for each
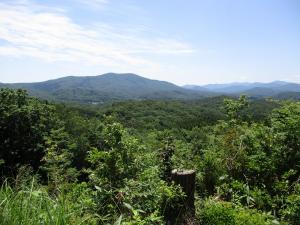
(106, 87)
(277, 89)
(118, 87)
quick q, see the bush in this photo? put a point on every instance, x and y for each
(252, 217)
(291, 212)
(217, 213)
(24, 124)
(225, 213)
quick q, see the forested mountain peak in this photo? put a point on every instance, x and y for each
(105, 88)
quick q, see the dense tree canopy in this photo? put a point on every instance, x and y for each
(111, 164)
(25, 123)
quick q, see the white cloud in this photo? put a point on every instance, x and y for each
(31, 30)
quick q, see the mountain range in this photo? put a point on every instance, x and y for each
(105, 88)
(277, 89)
(118, 87)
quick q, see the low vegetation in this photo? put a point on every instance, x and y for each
(69, 164)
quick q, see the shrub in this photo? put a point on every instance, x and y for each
(224, 213)
(217, 213)
(33, 205)
(291, 213)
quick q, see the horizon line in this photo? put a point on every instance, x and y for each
(182, 85)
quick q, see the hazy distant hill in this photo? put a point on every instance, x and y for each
(106, 87)
(288, 95)
(278, 89)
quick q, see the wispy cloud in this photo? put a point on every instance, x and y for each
(93, 3)
(292, 78)
(31, 30)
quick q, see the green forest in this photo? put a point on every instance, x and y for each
(63, 163)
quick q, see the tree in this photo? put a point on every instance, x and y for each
(24, 124)
(233, 107)
(112, 165)
(58, 159)
(285, 124)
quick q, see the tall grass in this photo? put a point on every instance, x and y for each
(34, 206)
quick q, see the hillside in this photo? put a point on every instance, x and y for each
(106, 87)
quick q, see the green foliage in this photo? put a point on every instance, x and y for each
(166, 153)
(32, 205)
(233, 108)
(286, 131)
(224, 213)
(111, 164)
(159, 115)
(25, 123)
(114, 162)
(211, 170)
(217, 214)
(58, 159)
(291, 210)
(147, 199)
(252, 161)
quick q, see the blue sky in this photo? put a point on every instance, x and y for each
(181, 41)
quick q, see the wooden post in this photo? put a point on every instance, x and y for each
(185, 215)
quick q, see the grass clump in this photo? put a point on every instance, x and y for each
(33, 205)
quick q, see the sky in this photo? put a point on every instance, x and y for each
(181, 41)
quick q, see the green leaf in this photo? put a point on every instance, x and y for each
(119, 220)
(128, 206)
(98, 188)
